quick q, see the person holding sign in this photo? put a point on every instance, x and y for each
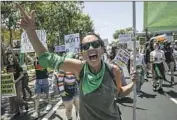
(97, 88)
(16, 103)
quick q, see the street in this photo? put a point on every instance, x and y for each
(150, 106)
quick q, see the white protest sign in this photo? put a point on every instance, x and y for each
(26, 45)
(122, 57)
(60, 48)
(72, 43)
(130, 45)
(124, 38)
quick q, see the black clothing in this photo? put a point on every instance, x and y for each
(41, 73)
(16, 69)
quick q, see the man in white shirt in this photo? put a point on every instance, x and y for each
(157, 58)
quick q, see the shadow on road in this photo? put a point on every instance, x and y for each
(124, 100)
(56, 116)
(167, 85)
(146, 95)
(172, 94)
(138, 108)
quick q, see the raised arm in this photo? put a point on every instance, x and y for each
(27, 22)
(46, 59)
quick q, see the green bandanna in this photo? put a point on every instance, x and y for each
(92, 81)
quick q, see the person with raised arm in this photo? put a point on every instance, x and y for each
(97, 88)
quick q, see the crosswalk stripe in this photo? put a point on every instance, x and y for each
(47, 116)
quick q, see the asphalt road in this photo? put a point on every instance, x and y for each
(150, 106)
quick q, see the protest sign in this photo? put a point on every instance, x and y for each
(130, 45)
(26, 45)
(124, 38)
(122, 58)
(16, 43)
(29, 67)
(72, 43)
(60, 48)
(142, 40)
(7, 85)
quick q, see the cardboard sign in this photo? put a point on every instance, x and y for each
(60, 48)
(26, 45)
(72, 43)
(7, 85)
(122, 58)
(124, 38)
(29, 67)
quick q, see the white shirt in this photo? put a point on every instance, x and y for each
(139, 59)
(157, 56)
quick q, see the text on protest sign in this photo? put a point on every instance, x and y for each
(122, 58)
(7, 85)
(26, 45)
(60, 48)
(123, 38)
(72, 43)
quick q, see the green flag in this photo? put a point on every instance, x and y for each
(160, 16)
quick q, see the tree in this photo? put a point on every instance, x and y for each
(121, 31)
(8, 17)
(55, 17)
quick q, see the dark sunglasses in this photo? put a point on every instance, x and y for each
(94, 44)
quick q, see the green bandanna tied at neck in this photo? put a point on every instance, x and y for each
(92, 81)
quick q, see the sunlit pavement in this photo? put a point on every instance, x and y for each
(150, 106)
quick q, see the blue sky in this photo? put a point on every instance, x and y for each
(110, 16)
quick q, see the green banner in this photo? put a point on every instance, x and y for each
(160, 16)
(7, 85)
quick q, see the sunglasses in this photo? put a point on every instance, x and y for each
(94, 44)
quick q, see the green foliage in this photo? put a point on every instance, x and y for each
(121, 31)
(56, 17)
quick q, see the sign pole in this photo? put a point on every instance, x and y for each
(134, 55)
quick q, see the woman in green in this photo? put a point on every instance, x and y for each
(97, 88)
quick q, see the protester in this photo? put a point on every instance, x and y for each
(16, 103)
(67, 85)
(97, 87)
(157, 58)
(25, 81)
(175, 54)
(41, 86)
(69, 92)
(169, 57)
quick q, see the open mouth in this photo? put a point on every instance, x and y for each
(93, 57)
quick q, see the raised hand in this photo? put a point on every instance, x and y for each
(27, 21)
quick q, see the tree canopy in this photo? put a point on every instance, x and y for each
(58, 18)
